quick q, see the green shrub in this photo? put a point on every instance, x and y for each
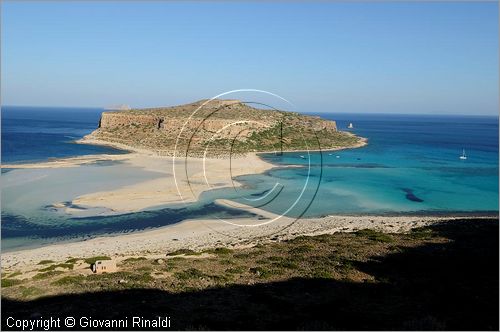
(375, 235)
(109, 277)
(176, 259)
(30, 291)
(69, 280)
(6, 282)
(191, 273)
(421, 233)
(186, 252)
(73, 260)
(275, 258)
(323, 238)
(227, 262)
(346, 264)
(92, 260)
(302, 249)
(143, 278)
(221, 279)
(219, 251)
(235, 270)
(300, 239)
(321, 274)
(286, 264)
(45, 261)
(242, 255)
(68, 266)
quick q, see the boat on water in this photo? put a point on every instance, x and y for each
(463, 156)
(350, 126)
(302, 157)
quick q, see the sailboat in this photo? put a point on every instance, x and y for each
(463, 156)
(350, 125)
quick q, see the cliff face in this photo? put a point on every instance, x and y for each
(219, 126)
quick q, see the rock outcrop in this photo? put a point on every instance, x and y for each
(219, 127)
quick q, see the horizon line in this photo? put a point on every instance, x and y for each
(306, 112)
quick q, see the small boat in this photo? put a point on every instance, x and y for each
(330, 154)
(302, 157)
(338, 156)
(463, 156)
(350, 126)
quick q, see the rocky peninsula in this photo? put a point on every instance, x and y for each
(217, 128)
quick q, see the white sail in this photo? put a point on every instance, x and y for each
(463, 156)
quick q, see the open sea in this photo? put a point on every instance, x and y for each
(411, 165)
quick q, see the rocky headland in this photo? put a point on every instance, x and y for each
(217, 128)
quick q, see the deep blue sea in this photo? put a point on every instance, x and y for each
(39, 133)
(411, 165)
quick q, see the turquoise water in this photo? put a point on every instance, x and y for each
(411, 165)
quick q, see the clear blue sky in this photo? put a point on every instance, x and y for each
(326, 56)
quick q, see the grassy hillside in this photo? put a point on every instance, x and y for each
(439, 277)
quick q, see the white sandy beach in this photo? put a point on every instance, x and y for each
(205, 233)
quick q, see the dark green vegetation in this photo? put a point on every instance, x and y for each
(439, 277)
(6, 282)
(46, 275)
(186, 252)
(374, 235)
(289, 134)
(52, 267)
(69, 280)
(92, 260)
(72, 260)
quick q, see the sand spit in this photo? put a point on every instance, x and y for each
(191, 177)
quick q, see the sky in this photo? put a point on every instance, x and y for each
(382, 57)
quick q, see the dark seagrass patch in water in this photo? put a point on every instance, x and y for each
(411, 196)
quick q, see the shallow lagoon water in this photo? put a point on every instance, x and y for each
(30, 219)
(411, 165)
